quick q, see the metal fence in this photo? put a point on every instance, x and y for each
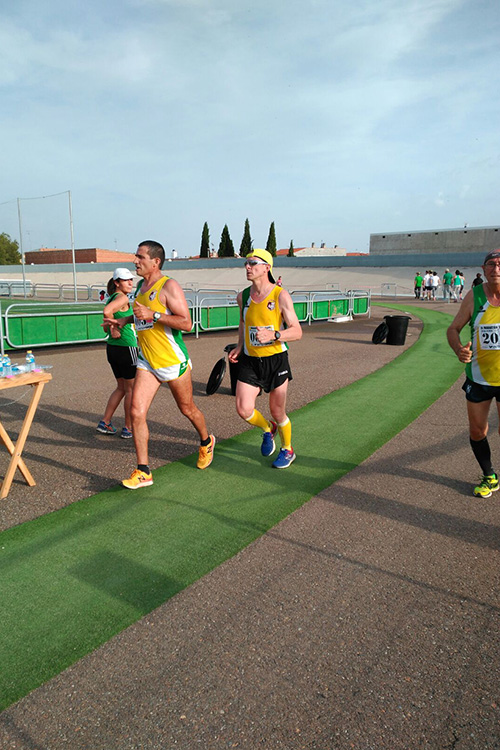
(27, 325)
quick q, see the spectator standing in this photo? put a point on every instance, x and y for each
(435, 284)
(417, 284)
(456, 284)
(447, 279)
(462, 284)
(428, 285)
(477, 280)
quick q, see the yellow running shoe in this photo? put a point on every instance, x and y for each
(206, 454)
(138, 479)
(488, 485)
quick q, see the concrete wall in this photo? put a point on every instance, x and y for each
(478, 240)
(311, 273)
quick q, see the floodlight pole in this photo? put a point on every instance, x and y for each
(72, 243)
(21, 244)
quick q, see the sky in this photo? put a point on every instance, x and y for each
(331, 118)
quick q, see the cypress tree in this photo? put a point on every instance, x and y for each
(271, 241)
(226, 247)
(246, 242)
(205, 242)
(291, 253)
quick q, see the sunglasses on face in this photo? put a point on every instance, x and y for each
(253, 262)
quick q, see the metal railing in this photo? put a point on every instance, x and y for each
(21, 327)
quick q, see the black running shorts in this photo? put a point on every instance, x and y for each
(123, 360)
(267, 373)
(477, 393)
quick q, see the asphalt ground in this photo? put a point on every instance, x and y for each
(366, 619)
(70, 460)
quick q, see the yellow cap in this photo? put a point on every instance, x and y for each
(266, 256)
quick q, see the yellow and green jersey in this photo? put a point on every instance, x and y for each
(160, 345)
(485, 337)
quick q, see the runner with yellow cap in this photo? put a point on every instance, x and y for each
(268, 322)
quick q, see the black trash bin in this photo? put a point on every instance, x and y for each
(233, 368)
(397, 325)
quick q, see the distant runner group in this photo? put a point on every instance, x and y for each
(426, 287)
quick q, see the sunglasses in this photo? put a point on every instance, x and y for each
(253, 262)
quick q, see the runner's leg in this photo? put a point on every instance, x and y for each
(145, 387)
(182, 391)
(277, 405)
(478, 431)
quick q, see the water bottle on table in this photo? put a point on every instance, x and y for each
(30, 361)
(7, 367)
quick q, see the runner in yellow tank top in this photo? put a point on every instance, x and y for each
(481, 355)
(162, 347)
(262, 354)
(265, 314)
(161, 313)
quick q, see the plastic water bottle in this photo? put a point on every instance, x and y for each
(30, 361)
(7, 367)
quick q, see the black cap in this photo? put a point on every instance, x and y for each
(492, 254)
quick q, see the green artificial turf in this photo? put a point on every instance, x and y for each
(72, 579)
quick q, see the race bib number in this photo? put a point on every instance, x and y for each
(252, 333)
(489, 336)
(142, 325)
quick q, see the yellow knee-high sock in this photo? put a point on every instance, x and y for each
(285, 431)
(258, 420)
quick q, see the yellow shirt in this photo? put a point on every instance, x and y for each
(160, 345)
(268, 314)
(485, 336)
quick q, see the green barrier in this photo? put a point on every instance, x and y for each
(70, 323)
(324, 309)
(360, 305)
(301, 310)
(214, 318)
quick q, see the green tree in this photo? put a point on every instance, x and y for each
(205, 242)
(271, 241)
(291, 253)
(246, 242)
(9, 251)
(226, 247)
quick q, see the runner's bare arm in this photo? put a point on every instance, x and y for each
(463, 352)
(172, 297)
(293, 331)
(235, 353)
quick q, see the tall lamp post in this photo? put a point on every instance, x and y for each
(72, 243)
(21, 244)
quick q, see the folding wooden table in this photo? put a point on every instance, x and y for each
(37, 380)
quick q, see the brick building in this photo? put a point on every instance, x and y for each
(49, 255)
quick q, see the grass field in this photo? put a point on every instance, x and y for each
(72, 579)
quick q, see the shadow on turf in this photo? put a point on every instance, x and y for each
(126, 580)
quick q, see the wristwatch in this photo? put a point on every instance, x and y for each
(156, 316)
(277, 335)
